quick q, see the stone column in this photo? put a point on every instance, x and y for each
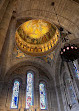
(8, 91)
(22, 98)
(49, 98)
(48, 101)
(75, 80)
(3, 98)
(11, 41)
(37, 99)
(73, 84)
(66, 68)
(5, 23)
(3, 6)
(8, 47)
(57, 95)
(36, 90)
(1, 3)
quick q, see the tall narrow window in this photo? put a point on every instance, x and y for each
(43, 98)
(70, 92)
(14, 102)
(76, 68)
(29, 90)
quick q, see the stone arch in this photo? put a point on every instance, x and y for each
(30, 62)
(27, 65)
(47, 15)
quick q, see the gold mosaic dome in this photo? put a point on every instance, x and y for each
(37, 37)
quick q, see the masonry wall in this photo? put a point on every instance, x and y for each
(11, 12)
(7, 85)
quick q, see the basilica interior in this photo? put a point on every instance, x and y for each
(39, 55)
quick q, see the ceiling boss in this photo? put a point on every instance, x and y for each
(37, 37)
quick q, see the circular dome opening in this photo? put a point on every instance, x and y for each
(37, 37)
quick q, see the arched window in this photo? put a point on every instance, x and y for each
(14, 102)
(30, 90)
(70, 92)
(43, 96)
(75, 63)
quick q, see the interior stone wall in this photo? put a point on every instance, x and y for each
(67, 68)
(20, 74)
(11, 11)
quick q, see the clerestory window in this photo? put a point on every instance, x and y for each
(43, 96)
(30, 90)
(15, 95)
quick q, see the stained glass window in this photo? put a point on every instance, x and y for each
(14, 102)
(29, 90)
(70, 90)
(71, 93)
(42, 96)
(76, 68)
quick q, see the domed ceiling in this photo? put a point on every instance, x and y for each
(37, 37)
